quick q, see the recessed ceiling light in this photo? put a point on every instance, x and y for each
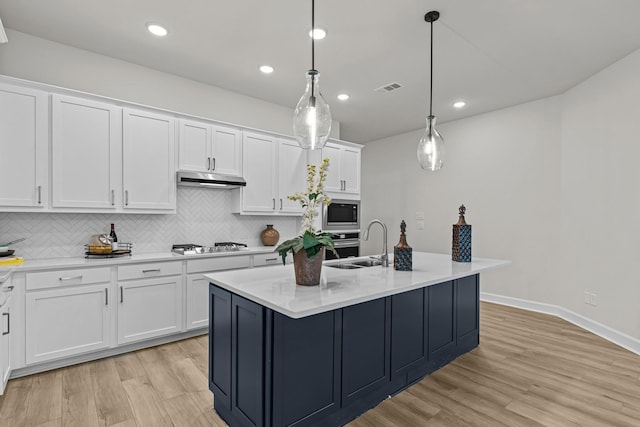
(318, 33)
(267, 69)
(157, 30)
(459, 104)
(343, 97)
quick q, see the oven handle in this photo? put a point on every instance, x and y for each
(346, 243)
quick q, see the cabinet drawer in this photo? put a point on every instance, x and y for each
(56, 278)
(268, 259)
(152, 269)
(216, 264)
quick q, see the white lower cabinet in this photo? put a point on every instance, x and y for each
(197, 286)
(67, 321)
(197, 301)
(5, 342)
(149, 308)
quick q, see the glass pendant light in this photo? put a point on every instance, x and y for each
(312, 117)
(431, 146)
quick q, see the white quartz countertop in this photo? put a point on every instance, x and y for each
(75, 262)
(274, 287)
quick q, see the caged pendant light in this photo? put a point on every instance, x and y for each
(431, 146)
(312, 117)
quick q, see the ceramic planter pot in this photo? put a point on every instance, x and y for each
(308, 270)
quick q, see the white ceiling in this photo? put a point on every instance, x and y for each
(491, 53)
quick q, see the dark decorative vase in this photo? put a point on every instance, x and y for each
(269, 236)
(461, 244)
(308, 270)
(402, 252)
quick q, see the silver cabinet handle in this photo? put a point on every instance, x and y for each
(213, 166)
(126, 197)
(70, 278)
(155, 270)
(280, 204)
(8, 323)
(8, 289)
(121, 294)
(106, 296)
(113, 198)
(271, 259)
(208, 163)
(274, 204)
(39, 194)
(198, 280)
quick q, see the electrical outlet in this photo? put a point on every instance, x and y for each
(419, 216)
(593, 300)
(586, 298)
(420, 225)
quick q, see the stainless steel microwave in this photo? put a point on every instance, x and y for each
(341, 215)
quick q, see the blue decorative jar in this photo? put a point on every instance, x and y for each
(461, 246)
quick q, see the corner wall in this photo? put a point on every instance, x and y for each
(551, 185)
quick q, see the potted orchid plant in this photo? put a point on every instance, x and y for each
(308, 249)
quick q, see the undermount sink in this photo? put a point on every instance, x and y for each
(350, 265)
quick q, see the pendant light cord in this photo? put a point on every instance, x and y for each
(431, 75)
(313, 45)
(313, 36)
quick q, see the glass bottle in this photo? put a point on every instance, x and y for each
(114, 238)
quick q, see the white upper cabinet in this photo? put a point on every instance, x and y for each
(210, 148)
(86, 151)
(149, 167)
(343, 178)
(226, 154)
(23, 148)
(274, 169)
(259, 163)
(292, 175)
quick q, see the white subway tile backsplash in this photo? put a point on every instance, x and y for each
(203, 217)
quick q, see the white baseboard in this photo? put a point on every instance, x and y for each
(610, 334)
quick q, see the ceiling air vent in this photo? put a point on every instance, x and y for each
(389, 87)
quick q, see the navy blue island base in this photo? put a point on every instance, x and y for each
(267, 369)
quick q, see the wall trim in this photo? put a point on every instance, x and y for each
(619, 338)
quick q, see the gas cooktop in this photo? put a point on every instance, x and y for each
(193, 249)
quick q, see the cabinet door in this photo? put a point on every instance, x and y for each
(442, 323)
(468, 312)
(259, 165)
(195, 146)
(65, 322)
(292, 175)
(149, 308)
(350, 170)
(220, 345)
(226, 157)
(197, 290)
(304, 396)
(23, 147)
(334, 179)
(149, 174)
(365, 340)
(5, 344)
(409, 346)
(85, 146)
(247, 361)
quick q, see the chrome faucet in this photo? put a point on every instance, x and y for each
(385, 255)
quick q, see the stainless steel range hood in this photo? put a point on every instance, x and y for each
(209, 180)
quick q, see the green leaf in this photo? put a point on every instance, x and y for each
(309, 240)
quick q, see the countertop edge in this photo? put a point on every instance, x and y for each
(495, 264)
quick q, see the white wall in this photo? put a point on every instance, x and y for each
(551, 185)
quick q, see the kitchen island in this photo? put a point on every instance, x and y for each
(287, 355)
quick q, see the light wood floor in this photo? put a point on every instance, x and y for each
(530, 369)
